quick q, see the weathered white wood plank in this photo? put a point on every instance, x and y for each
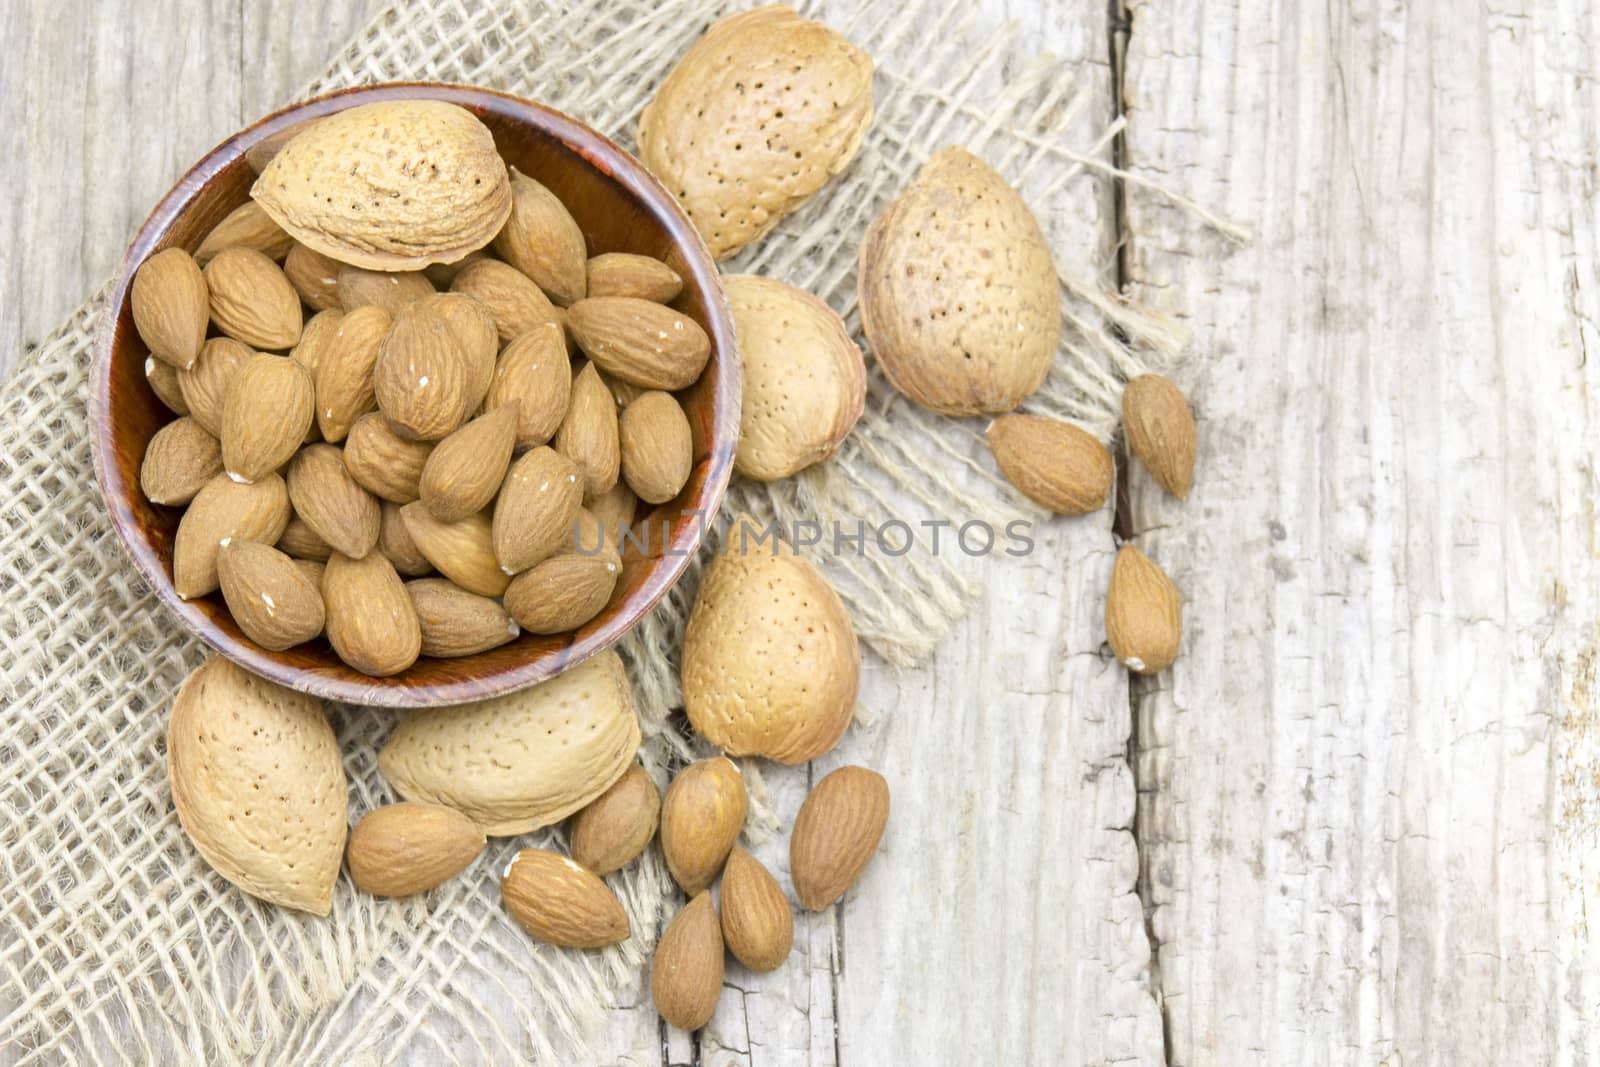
(1368, 786)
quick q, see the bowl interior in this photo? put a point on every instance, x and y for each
(620, 208)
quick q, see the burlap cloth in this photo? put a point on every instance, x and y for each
(117, 942)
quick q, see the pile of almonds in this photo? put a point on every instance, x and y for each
(429, 420)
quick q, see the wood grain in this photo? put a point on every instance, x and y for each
(1368, 788)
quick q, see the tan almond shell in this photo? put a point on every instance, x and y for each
(559, 902)
(251, 299)
(754, 119)
(627, 274)
(224, 508)
(757, 925)
(394, 185)
(370, 621)
(273, 601)
(405, 848)
(343, 369)
(533, 515)
(389, 290)
(835, 833)
(246, 226)
(462, 551)
(205, 384)
(534, 371)
(163, 379)
(544, 241)
(959, 297)
(563, 592)
(640, 341)
(464, 471)
(328, 500)
(612, 830)
(701, 818)
(1144, 613)
(458, 623)
(804, 379)
(384, 463)
(475, 334)
(179, 460)
(394, 541)
(517, 762)
(686, 971)
(1160, 431)
(258, 785)
(771, 665)
(589, 434)
(515, 303)
(314, 276)
(1055, 464)
(269, 408)
(171, 306)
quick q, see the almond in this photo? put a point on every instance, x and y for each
(301, 542)
(395, 542)
(589, 435)
(406, 848)
(246, 226)
(640, 341)
(163, 379)
(624, 393)
(251, 300)
(563, 592)
(314, 276)
(463, 551)
(313, 570)
(959, 298)
(258, 785)
(1144, 613)
(375, 288)
(456, 622)
(542, 240)
(329, 501)
(771, 666)
(515, 303)
(171, 306)
(394, 185)
(804, 380)
(534, 371)
(476, 336)
(686, 972)
(383, 463)
(700, 821)
(616, 827)
(559, 902)
(442, 274)
(572, 737)
(757, 925)
(533, 516)
(371, 623)
(224, 509)
(625, 274)
(657, 447)
(614, 510)
(316, 340)
(1053, 463)
(270, 598)
(344, 372)
(420, 378)
(179, 460)
(205, 384)
(265, 416)
(1160, 430)
(836, 833)
(465, 470)
(754, 119)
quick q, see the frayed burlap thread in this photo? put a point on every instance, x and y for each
(119, 944)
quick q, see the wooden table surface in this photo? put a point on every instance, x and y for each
(1359, 821)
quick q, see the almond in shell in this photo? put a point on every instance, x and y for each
(251, 300)
(464, 471)
(384, 463)
(1160, 431)
(272, 600)
(370, 621)
(542, 240)
(657, 447)
(266, 415)
(686, 971)
(222, 510)
(344, 370)
(589, 434)
(205, 384)
(757, 925)
(535, 372)
(314, 276)
(246, 226)
(171, 306)
(394, 185)
(701, 818)
(420, 378)
(574, 735)
(617, 826)
(559, 902)
(1053, 463)
(401, 849)
(533, 516)
(329, 501)
(258, 785)
(1144, 613)
(180, 459)
(640, 341)
(563, 592)
(458, 623)
(462, 551)
(626, 274)
(515, 303)
(835, 834)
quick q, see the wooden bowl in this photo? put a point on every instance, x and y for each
(620, 207)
